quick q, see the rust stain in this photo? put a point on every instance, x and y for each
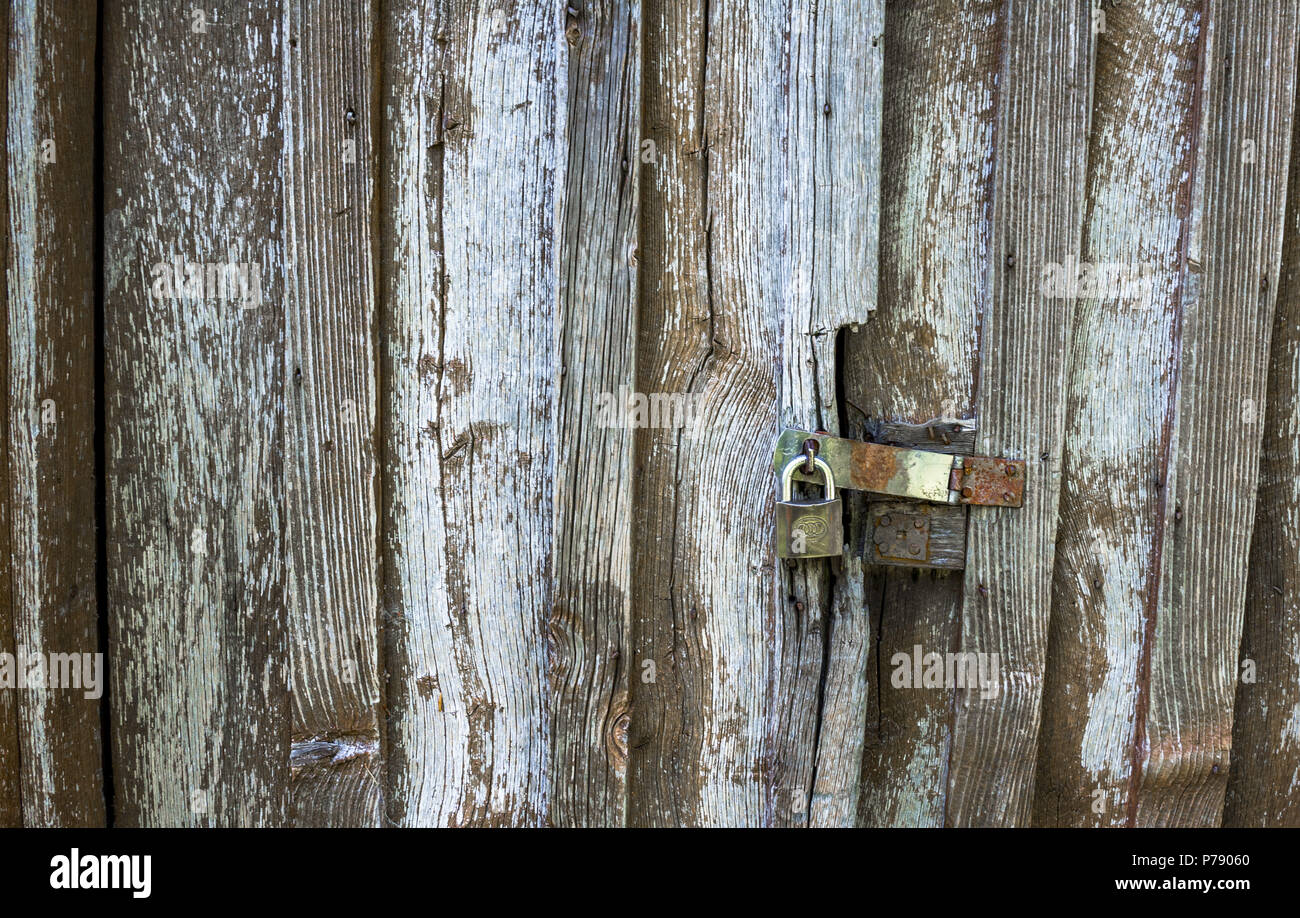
(987, 482)
(873, 466)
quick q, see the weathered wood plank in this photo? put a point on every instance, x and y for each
(11, 805)
(1144, 130)
(1187, 678)
(194, 395)
(916, 360)
(330, 484)
(675, 325)
(1040, 146)
(593, 489)
(472, 145)
(837, 787)
(756, 253)
(1265, 770)
(50, 390)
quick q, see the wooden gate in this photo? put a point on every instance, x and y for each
(392, 390)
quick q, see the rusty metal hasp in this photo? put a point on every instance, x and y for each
(915, 473)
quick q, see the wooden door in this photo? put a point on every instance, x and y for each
(392, 390)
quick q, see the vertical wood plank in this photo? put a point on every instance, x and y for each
(330, 483)
(1187, 679)
(761, 248)
(1265, 743)
(1144, 133)
(194, 390)
(916, 360)
(50, 318)
(674, 325)
(1040, 144)
(471, 152)
(593, 489)
(11, 805)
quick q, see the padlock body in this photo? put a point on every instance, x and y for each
(814, 529)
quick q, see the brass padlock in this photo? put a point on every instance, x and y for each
(814, 529)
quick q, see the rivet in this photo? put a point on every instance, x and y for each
(919, 524)
(1008, 496)
(1011, 471)
(967, 492)
(884, 521)
(916, 549)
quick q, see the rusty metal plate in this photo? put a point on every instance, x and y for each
(986, 482)
(919, 474)
(873, 467)
(901, 537)
(909, 533)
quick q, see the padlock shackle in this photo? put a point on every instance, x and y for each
(787, 476)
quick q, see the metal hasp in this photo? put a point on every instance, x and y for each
(916, 473)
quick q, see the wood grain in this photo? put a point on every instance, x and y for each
(331, 545)
(1265, 743)
(760, 243)
(472, 148)
(1040, 146)
(1193, 628)
(589, 659)
(916, 360)
(1144, 130)
(11, 803)
(50, 391)
(194, 396)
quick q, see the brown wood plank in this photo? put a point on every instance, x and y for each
(916, 360)
(1144, 131)
(194, 395)
(11, 804)
(1187, 678)
(755, 254)
(330, 464)
(674, 339)
(472, 147)
(1265, 743)
(1040, 145)
(50, 388)
(593, 491)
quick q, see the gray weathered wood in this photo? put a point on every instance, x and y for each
(760, 243)
(1040, 144)
(472, 144)
(50, 393)
(331, 549)
(1265, 744)
(916, 360)
(837, 787)
(593, 490)
(1187, 678)
(194, 395)
(1144, 129)
(11, 804)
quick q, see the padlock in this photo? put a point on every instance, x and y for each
(814, 529)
